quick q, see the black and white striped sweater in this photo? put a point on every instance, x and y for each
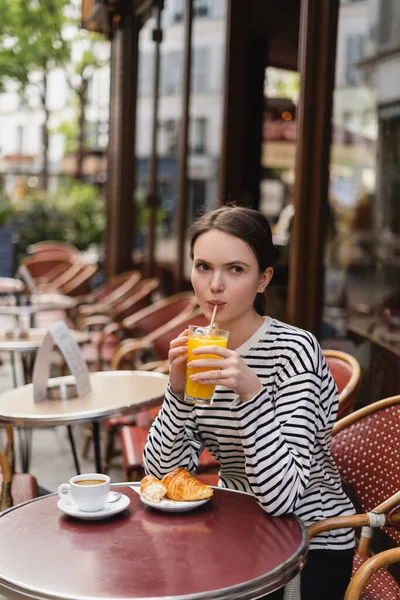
(276, 445)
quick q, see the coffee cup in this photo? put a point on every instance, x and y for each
(88, 491)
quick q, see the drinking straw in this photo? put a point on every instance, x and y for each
(211, 325)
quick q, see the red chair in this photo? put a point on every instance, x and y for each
(366, 447)
(346, 372)
(15, 487)
(364, 581)
(104, 327)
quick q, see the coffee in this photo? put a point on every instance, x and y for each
(89, 481)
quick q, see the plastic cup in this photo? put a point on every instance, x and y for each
(195, 392)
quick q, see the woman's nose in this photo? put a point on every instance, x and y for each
(217, 283)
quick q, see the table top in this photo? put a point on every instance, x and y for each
(229, 548)
(112, 393)
(34, 339)
(39, 303)
(8, 285)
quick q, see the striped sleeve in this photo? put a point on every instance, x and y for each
(278, 435)
(173, 440)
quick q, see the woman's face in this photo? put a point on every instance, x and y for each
(225, 273)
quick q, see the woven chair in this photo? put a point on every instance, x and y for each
(366, 446)
(143, 322)
(104, 298)
(364, 580)
(51, 246)
(104, 339)
(382, 586)
(346, 372)
(15, 487)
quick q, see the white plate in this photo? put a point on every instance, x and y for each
(174, 505)
(111, 508)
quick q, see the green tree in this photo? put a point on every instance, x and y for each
(32, 44)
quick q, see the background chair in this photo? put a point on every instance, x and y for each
(51, 246)
(109, 294)
(15, 487)
(104, 341)
(346, 372)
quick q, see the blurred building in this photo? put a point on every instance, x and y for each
(205, 102)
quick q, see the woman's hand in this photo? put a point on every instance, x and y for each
(231, 372)
(177, 357)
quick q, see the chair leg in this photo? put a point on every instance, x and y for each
(87, 442)
(110, 448)
(73, 448)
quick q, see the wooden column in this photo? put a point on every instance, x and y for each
(231, 176)
(121, 149)
(152, 196)
(183, 200)
(317, 54)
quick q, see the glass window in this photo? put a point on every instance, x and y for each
(354, 52)
(362, 258)
(171, 69)
(201, 70)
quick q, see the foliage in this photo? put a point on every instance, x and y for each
(6, 211)
(74, 214)
(32, 39)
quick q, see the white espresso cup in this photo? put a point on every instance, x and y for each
(89, 491)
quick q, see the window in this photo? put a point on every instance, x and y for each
(171, 73)
(354, 53)
(198, 136)
(389, 23)
(201, 71)
(145, 75)
(201, 8)
(171, 137)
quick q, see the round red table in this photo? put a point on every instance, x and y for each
(226, 549)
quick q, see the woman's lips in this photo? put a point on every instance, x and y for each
(220, 305)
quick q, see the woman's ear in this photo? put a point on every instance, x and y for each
(265, 279)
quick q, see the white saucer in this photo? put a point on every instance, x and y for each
(174, 505)
(111, 508)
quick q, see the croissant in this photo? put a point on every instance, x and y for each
(152, 489)
(181, 485)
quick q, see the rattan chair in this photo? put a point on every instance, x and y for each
(365, 446)
(346, 372)
(363, 583)
(15, 487)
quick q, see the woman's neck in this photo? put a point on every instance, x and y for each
(241, 330)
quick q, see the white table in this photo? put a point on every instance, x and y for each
(113, 393)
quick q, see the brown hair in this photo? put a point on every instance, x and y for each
(247, 224)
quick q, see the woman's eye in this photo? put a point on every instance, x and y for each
(202, 267)
(237, 269)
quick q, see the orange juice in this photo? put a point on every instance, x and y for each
(195, 391)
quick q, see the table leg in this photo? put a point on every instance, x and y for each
(25, 442)
(13, 368)
(97, 449)
(73, 448)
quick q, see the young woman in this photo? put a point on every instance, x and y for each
(275, 403)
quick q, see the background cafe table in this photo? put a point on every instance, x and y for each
(27, 342)
(38, 303)
(226, 549)
(113, 393)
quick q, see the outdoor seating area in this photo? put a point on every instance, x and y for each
(200, 300)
